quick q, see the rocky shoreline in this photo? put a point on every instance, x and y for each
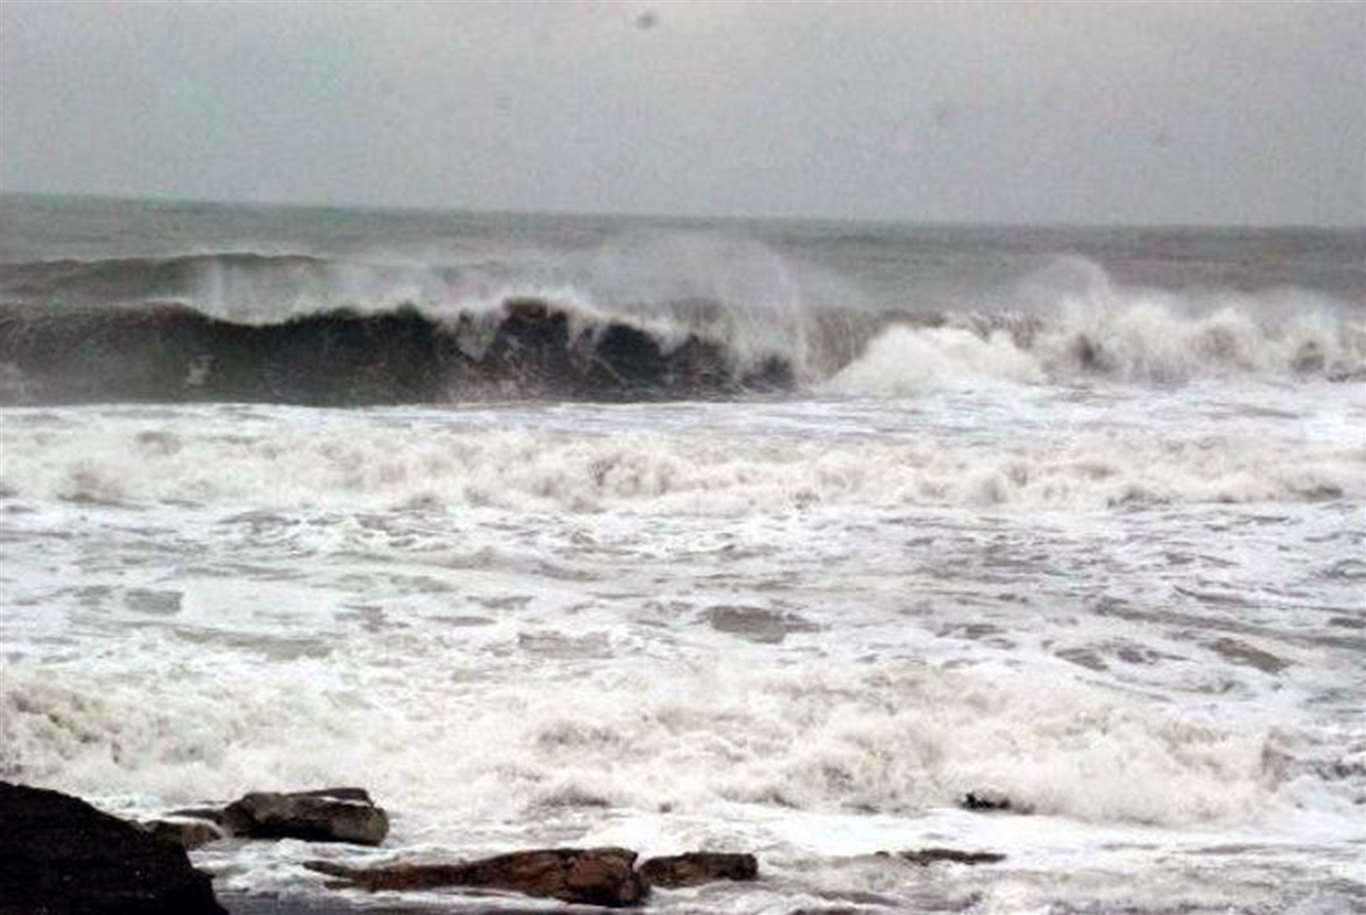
(61, 856)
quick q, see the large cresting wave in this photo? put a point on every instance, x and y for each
(526, 347)
(297, 329)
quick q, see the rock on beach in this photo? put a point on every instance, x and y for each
(698, 867)
(325, 815)
(595, 876)
(61, 856)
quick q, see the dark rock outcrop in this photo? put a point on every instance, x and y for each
(989, 801)
(927, 856)
(698, 867)
(326, 815)
(595, 876)
(60, 856)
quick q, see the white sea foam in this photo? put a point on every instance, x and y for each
(1150, 335)
(889, 741)
(805, 628)
(904, 361)
(349, 459)
(1110, 333)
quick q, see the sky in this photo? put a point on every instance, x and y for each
(1020, 112)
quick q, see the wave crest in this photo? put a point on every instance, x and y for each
(523, 348)
(1132, 336)
(712, 324)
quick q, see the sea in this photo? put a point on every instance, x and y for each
(767, 536)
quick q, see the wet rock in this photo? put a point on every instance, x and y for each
(927, 856)
(991, 800)
(185, 832)
(697, 867)
(595, 876)
(326, 815)
(60, 856)
(757, 624)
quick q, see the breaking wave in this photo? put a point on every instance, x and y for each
(523, 348)
(307, 330)
(879, 742)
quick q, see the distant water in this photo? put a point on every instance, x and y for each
(762, 536)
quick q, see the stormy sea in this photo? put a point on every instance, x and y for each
(775, 537)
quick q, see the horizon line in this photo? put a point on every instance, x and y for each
(682, 216)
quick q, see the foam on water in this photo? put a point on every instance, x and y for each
(806, 630)
(1131, 335)
(470, 459)
(904, 361)
(640, 736)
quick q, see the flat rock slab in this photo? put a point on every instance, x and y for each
(596, 876)
(60, 856)
(927, 856)
(327, 815)
(698, 867)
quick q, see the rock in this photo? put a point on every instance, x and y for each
(757, 624)
(596, 876)
(989, 800)
(927, 856)
(698, 867)
(327, 815)
(187, 833)
(60, 856)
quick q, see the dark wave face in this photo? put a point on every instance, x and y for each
(527, 348)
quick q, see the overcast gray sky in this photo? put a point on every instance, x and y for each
(977, 112)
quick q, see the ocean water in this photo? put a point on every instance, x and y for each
(776, 537)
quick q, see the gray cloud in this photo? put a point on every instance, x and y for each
(971, 112)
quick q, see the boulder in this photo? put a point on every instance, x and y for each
(697, 867)
(326, 815)
(595, 876)
(988, 801)
(60, 856)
